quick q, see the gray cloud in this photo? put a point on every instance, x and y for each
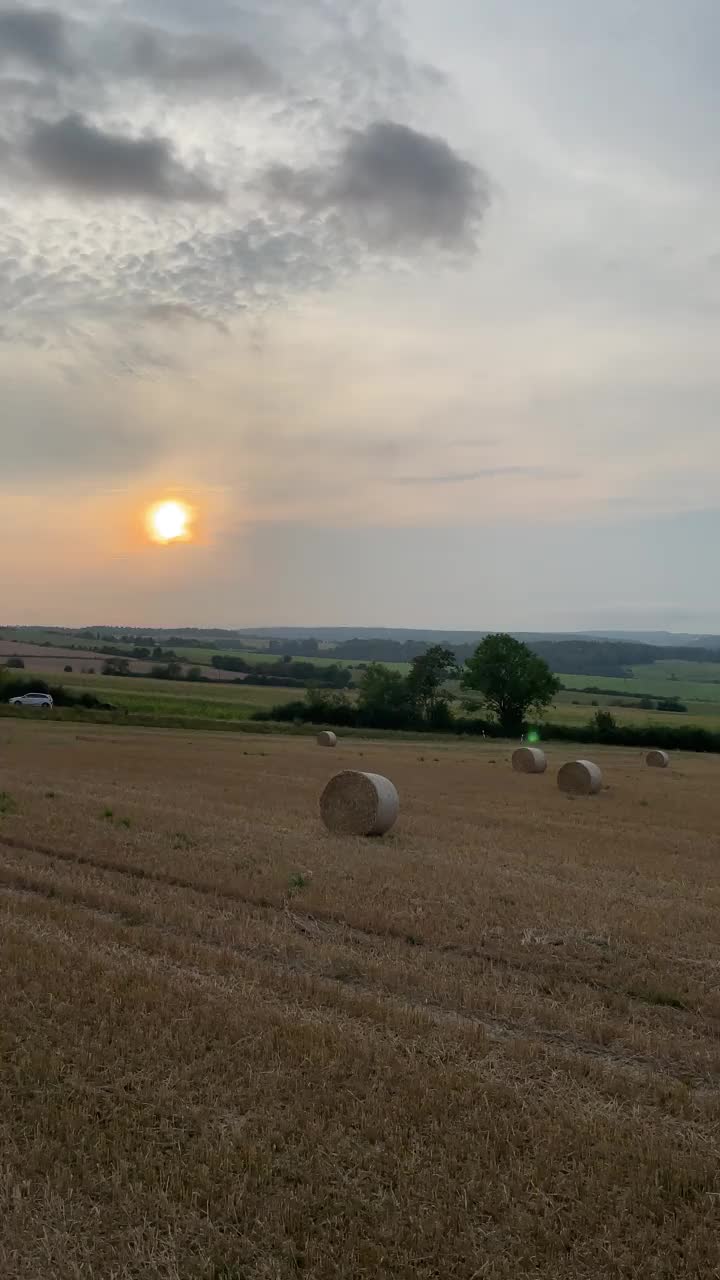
(76, 154)
(486, 473)
(175, 313)
(393, 186)
(199, 62)
(151, 92)
(166, 317)
(35, 36)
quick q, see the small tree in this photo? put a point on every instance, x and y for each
(512, 679)
(671, 704)
(603, 722)
(384, 697)
(329, 706)
(173, 671)
(425, 683)
(116, 667)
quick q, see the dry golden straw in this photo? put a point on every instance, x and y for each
(657, 759)
(580, 778)
(327, 739)
(529, 760)
(359, 804)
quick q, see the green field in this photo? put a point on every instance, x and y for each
(702, 715)
(688, 681)
(696, 684)
(40, 635)
(179, 698)
(200, 656)
(204, 657)
(222, 704)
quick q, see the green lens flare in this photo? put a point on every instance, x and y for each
(533, 736)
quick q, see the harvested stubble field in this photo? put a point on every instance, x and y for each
(234, 1046)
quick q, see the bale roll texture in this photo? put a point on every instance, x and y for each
(529, 760)
(657, 759)
(359, 804)
(580, 778)
(327, 739)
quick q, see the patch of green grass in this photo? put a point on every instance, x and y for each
(688, 681)
(7, 804)
(40, 635)
(707, 672)
(298, 881)
(108, 815)
(699, 715)
(261, 657)
(180, 698)
(196, 657)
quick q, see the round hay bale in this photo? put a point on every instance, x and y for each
(580, 778)
(359, 804)
(327, 739)
(529, 760)
(657, 759)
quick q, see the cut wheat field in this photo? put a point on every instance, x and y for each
(235, 1047)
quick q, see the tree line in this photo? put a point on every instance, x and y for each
(511, 679)
(569, 656)
(331, 676)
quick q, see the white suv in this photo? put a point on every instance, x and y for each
(41, 700)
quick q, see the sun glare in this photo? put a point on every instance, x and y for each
(170, 522)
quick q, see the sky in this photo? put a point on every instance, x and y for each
(415, 306)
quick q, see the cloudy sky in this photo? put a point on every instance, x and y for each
(414, 303)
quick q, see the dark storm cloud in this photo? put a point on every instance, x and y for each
(74, 153)
(155, 85)
(393, 186)
(204, 63)
(39, 37)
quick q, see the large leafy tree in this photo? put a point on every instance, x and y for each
(512, 680)
(384, 697)
(427, 678)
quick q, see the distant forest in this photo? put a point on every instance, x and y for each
(572, 657)
(565, 654)
(567, 657)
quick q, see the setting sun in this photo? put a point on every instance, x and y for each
(170, 522)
